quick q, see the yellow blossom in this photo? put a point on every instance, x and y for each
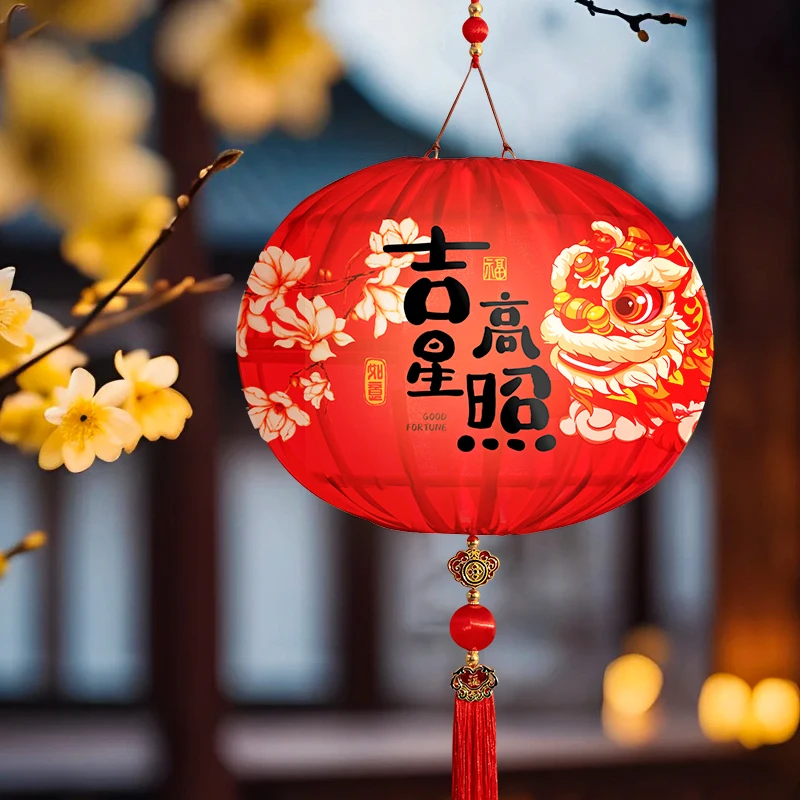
(257, 63)
(89, 19)
(159, 409)
(107, 247)
(92, 295)
(53, 370)
(15, 311)
(22, 421)
(67, 136)
(89, 425)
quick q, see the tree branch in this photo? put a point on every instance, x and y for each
(634, 20)
(224, 160)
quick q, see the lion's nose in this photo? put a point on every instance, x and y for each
(581, 315)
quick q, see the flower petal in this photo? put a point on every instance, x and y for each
(306, 308)
(342, 338)
(114, 393)
(378, 260)
(81, 386)
(257, 323)
(50, 455)
(6, 279)
(287, 430)
(54, 414)
(128, 366)
(326, 322)
(121, 425)
(161, 372)
(409, 230)
(321, 351)
(258, 306)
(256, 396)
(107, 448)
(296, 414)
(78, 456)
(380, 325)
(281, 398)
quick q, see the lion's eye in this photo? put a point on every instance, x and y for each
(637, 304)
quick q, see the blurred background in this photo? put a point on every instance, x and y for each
(188, 631)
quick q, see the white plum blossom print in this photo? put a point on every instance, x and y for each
(383, 300)
(315, 388)
(600, 425)
(274, 415)
(316, 324)
(241, 333)
(273, 275)
(391, 232)
(687, 418)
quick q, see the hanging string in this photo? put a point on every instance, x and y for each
(475, 31)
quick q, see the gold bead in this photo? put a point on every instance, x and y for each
(475, 9)
(473, 597)
(472, 658)
(475, 49)
(474, 544)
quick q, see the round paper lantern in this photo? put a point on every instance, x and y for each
(481, 345)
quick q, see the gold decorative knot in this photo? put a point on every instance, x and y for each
(474, 683)
(473, 567)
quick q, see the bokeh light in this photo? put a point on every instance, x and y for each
(632, 684)
(723, 707)
(775, 708)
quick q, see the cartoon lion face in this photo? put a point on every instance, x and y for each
(630, 332)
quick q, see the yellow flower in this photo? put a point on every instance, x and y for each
(107, 247)
(92, 295)
(89, 425)
(22, 421)
(67, 136)
(257, 63)
(90, 19)
(15, 311)
(158, 409)
(54, 370)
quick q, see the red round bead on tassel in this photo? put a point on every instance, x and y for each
(473, 627)
(475, 30)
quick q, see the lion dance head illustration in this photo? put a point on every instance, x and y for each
(631, 333)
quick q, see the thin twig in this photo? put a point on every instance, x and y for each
(224, 160)
(6, 23)
(159, 300)
(634, 20)
(33, 541)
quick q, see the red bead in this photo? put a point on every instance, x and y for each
(475, 30)
(472, 627)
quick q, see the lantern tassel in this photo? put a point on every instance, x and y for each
(474, 750)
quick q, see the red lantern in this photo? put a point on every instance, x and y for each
(477, 346)
(489, 346)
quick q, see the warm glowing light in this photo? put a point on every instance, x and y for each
(776, 710)
(632, 684)
(723, 707)
(630, 729)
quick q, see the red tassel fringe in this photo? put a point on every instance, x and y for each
(474, 750)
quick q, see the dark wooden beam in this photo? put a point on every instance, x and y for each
(184, 543)
(754, 391)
